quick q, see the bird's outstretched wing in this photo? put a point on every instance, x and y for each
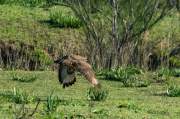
(86, 70)
(66, 75)
(77, 57)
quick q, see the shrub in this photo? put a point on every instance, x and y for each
(51, 103)
(9, 69)
(121, 73)
(163, 71)
(97, 71)
(175, 72)
(142, 83)
(72, 103)
(63, 21)
(135, 82)
(129, 105)
(97, 94)
(102, 111)
(124, 74)
(172, 89)
(27, 3)
(24, 79)
(174, 61)
(39, 58)
(19, 97)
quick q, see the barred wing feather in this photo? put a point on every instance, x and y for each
(86, 70)
(78, 57)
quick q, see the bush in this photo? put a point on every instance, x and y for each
(63, 21)
(129, 105)
(39, 60)
(174, 61)
(97, 94)
(23, 79)
(97, 71)
(72, 103)
(121, 73)
(175, 72)
(19, 97)
(172, 89)
(51, 103)
(135, 82)
(163, 71)
(27, 3)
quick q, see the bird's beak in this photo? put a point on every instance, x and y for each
(57, 61)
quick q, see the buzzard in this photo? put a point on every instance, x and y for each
(71, 63)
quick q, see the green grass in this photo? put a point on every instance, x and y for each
(23, 79)
(65, 21)
(32, 26)
(121, 102)
(29, 30)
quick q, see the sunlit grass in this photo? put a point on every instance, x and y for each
(26, 24)
(121, 102)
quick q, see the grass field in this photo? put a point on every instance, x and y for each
(122, 102)
(32, 27)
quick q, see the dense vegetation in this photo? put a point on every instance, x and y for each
(35, 32)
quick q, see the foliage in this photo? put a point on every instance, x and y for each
(65, 21)
(27, 3)
(102, 111)
(135, 82)
(19, 97)
(110, 29)
(41, 58)
(97, 71)
(124, 75)
(97, 94)
(121, 73)
(142, 83)
(44, 68)
(174, 61)
(24, 79)
(175, 72)
(163, 71)
(126, 104)
(172, 89)
(168, 72)
(72, 103)
(51, 103)
(9, 69)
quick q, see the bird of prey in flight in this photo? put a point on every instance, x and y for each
(71, 63)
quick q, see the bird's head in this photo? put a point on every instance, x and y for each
(59, 61)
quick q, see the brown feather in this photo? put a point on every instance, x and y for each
(68, 64)
(86, 70)
(77, 57)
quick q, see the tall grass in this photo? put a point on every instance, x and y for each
(65, 21)
(27, 3)
(23, 79)
(120, 73)
(19, 97)
(172, 89)
(51, 103)
(126, 76)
